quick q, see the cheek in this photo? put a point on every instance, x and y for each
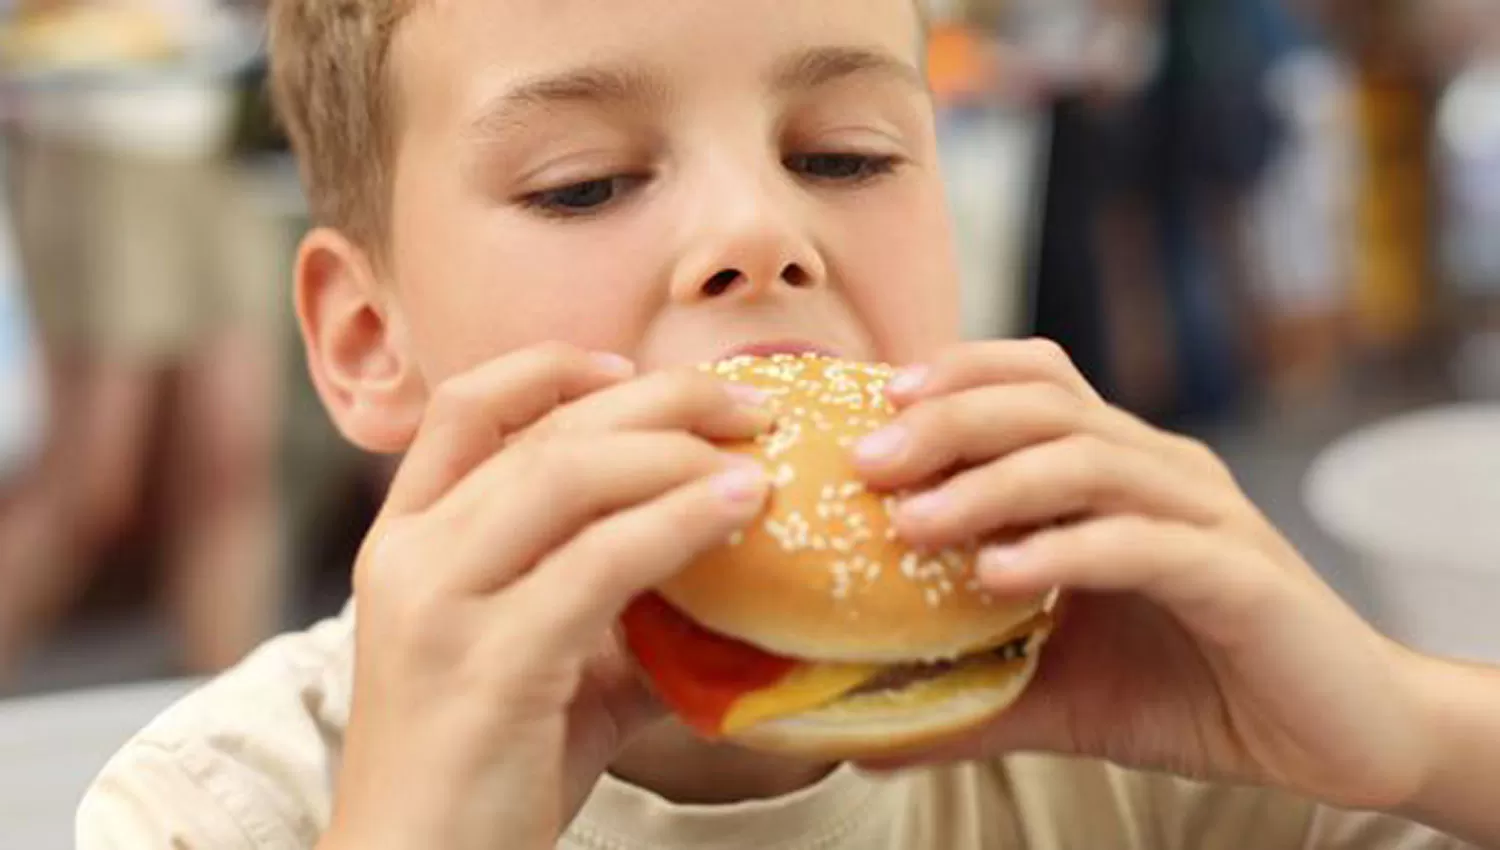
(477, 287)
(897, 259)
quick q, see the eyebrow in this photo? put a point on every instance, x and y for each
(604, 85)
(825, 65)
(582, 86)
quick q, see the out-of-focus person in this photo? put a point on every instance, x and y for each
(1401, 52)
(156, 287)
(1302, 222)
(1468, 165)
(1068, 60)
(23, 392)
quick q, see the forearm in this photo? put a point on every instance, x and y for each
(1462, 706)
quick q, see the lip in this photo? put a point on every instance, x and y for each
(795, 347)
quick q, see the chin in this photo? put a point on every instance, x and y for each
(817, 633)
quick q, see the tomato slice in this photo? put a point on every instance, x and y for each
(700, 675)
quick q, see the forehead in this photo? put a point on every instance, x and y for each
(452, 55)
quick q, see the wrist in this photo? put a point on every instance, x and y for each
(1421, 685)
(1458, 716)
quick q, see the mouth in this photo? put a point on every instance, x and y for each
(795, 348)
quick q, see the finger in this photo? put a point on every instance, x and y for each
(987, 363)
(531, 499)
(1055, 482)
(975, 426)
(687, 400)
(1212, 587)
(469, 417)
(941, 433)
(584, 587)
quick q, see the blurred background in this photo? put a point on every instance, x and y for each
(1274, 224)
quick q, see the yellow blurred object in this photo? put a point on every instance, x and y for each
(87, 37)
(1393, 278)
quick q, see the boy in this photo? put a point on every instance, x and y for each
(661, 182)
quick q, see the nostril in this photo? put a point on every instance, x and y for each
(721, 282)
(796, 276)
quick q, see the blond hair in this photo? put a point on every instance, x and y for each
(335, 96)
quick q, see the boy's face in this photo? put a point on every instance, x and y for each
(666, 180)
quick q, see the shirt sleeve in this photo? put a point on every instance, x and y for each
(247, 762)
(146, 798)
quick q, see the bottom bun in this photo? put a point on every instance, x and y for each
(890, 723)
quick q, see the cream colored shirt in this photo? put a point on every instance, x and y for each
(249, 763)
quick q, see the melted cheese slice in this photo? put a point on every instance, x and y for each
(807, 687)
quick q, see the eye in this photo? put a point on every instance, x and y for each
(841, 167)
(582, 198)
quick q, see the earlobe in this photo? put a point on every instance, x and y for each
(357, 349)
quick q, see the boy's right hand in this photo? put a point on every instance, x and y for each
(544, 491)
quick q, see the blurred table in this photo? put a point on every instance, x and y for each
(52, 748)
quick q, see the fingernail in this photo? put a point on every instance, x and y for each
(998, 560)
(614, 364)
(925, 507)
(748, 396)
(910, 380)
(882, 445)
(744, 482)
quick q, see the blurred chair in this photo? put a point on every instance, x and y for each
(51, 749)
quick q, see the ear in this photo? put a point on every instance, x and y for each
(357, 347)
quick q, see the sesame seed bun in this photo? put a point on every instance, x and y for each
(822, 575)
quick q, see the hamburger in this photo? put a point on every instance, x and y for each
(817, 631)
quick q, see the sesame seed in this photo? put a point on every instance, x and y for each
(785, 475)
(909, 563)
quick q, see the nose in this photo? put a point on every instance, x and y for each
(748, 243)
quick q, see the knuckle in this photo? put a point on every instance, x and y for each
(552, 364)
(456, 399)
(948, 416)
(1059, 404)
(556, 458)
(415, 617)
(1049, 353)
(380, 567)
(694, 392)
(1087, 457)
(1203, 455)
(603, 552)
(555, 358)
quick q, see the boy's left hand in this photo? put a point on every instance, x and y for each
(1195, 639)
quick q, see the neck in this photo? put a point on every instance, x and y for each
(669, 761)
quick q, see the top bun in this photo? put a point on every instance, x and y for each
(822, 576)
